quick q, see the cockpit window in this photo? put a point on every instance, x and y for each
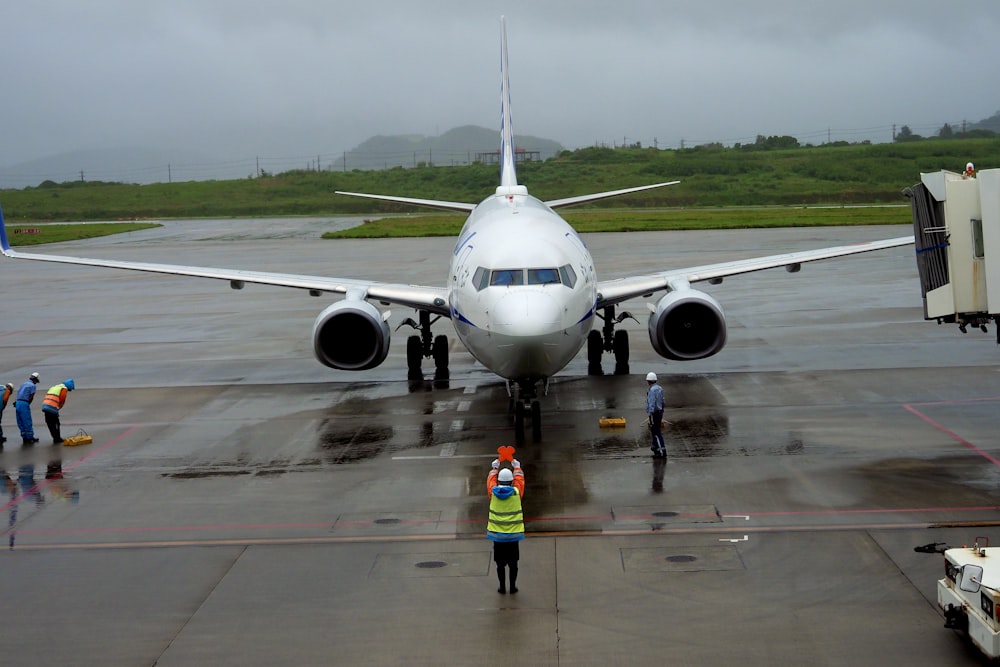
(481, 279)
(484, 277)
(568, 275)
(507, 277)
(543, 276)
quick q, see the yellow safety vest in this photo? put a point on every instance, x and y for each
(506, 516)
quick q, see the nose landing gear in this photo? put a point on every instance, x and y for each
(524, 405)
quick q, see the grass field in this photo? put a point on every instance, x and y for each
(611, 220)
(710, 176)
(27, 235)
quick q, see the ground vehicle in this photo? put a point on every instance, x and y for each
(969, 596)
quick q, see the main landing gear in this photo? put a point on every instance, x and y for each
(609, 340)
(524, 405)
(426, 345)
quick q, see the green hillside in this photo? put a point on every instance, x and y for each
(754, 175)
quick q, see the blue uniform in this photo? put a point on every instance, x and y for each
(654, 408)
(22, 410)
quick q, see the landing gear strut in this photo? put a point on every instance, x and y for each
(609, 340)
(524, 404)
(426, 345)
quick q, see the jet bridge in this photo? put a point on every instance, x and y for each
(956, 228)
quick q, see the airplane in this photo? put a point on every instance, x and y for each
(521, 293)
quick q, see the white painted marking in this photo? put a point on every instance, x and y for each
(736, 516)
(430, 457)
(463, 406)
(746, 538)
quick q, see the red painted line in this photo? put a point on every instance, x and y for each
(960, 400)
(42, 485)
(716, 525)
(951, 434)
(899, 510)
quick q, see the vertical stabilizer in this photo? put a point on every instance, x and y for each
(508, 176)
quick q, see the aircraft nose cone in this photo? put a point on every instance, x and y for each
(524, 313)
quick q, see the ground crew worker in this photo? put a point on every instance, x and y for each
(8, 390)
(55, 399)
(22, 409)
(506, 525)
(654, 410)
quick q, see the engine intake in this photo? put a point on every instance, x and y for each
(686, 325)
(351, 335)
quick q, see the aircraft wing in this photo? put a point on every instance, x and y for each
(433, 203)
(611, 292)
(433, 299)
(582, 199)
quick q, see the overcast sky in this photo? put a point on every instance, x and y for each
(234, 79)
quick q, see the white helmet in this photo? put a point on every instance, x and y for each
(651, 377)
(505, 475)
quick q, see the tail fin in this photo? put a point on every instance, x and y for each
(508, 175)
(4, 243)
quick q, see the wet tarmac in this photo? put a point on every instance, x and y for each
(242, 504)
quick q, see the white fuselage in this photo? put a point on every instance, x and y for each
(522, 287)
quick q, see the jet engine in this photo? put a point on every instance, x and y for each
(687, 324)
(351, 335)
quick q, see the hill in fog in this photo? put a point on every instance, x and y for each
(462, 145)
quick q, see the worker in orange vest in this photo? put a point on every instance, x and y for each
(8, 389)
(55, 399)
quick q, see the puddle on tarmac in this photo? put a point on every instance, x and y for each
(205, 473)
(340, 445)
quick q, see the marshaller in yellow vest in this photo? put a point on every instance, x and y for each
(506, 524)
(55, 399)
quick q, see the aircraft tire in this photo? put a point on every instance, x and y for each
(519, 422)
(441, 358)
(414, 353)
(621, 350)
(536, 421)
(595, 350)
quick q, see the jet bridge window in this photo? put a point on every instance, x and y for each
(503, 277)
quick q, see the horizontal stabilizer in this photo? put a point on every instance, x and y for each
(433, 203)
(582, 199)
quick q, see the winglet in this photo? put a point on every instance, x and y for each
(4, 244)
(508, 175)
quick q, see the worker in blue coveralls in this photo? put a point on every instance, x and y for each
(654, 410)
(22, 409)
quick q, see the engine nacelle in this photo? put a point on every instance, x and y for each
(351, 335)
(687, 324)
